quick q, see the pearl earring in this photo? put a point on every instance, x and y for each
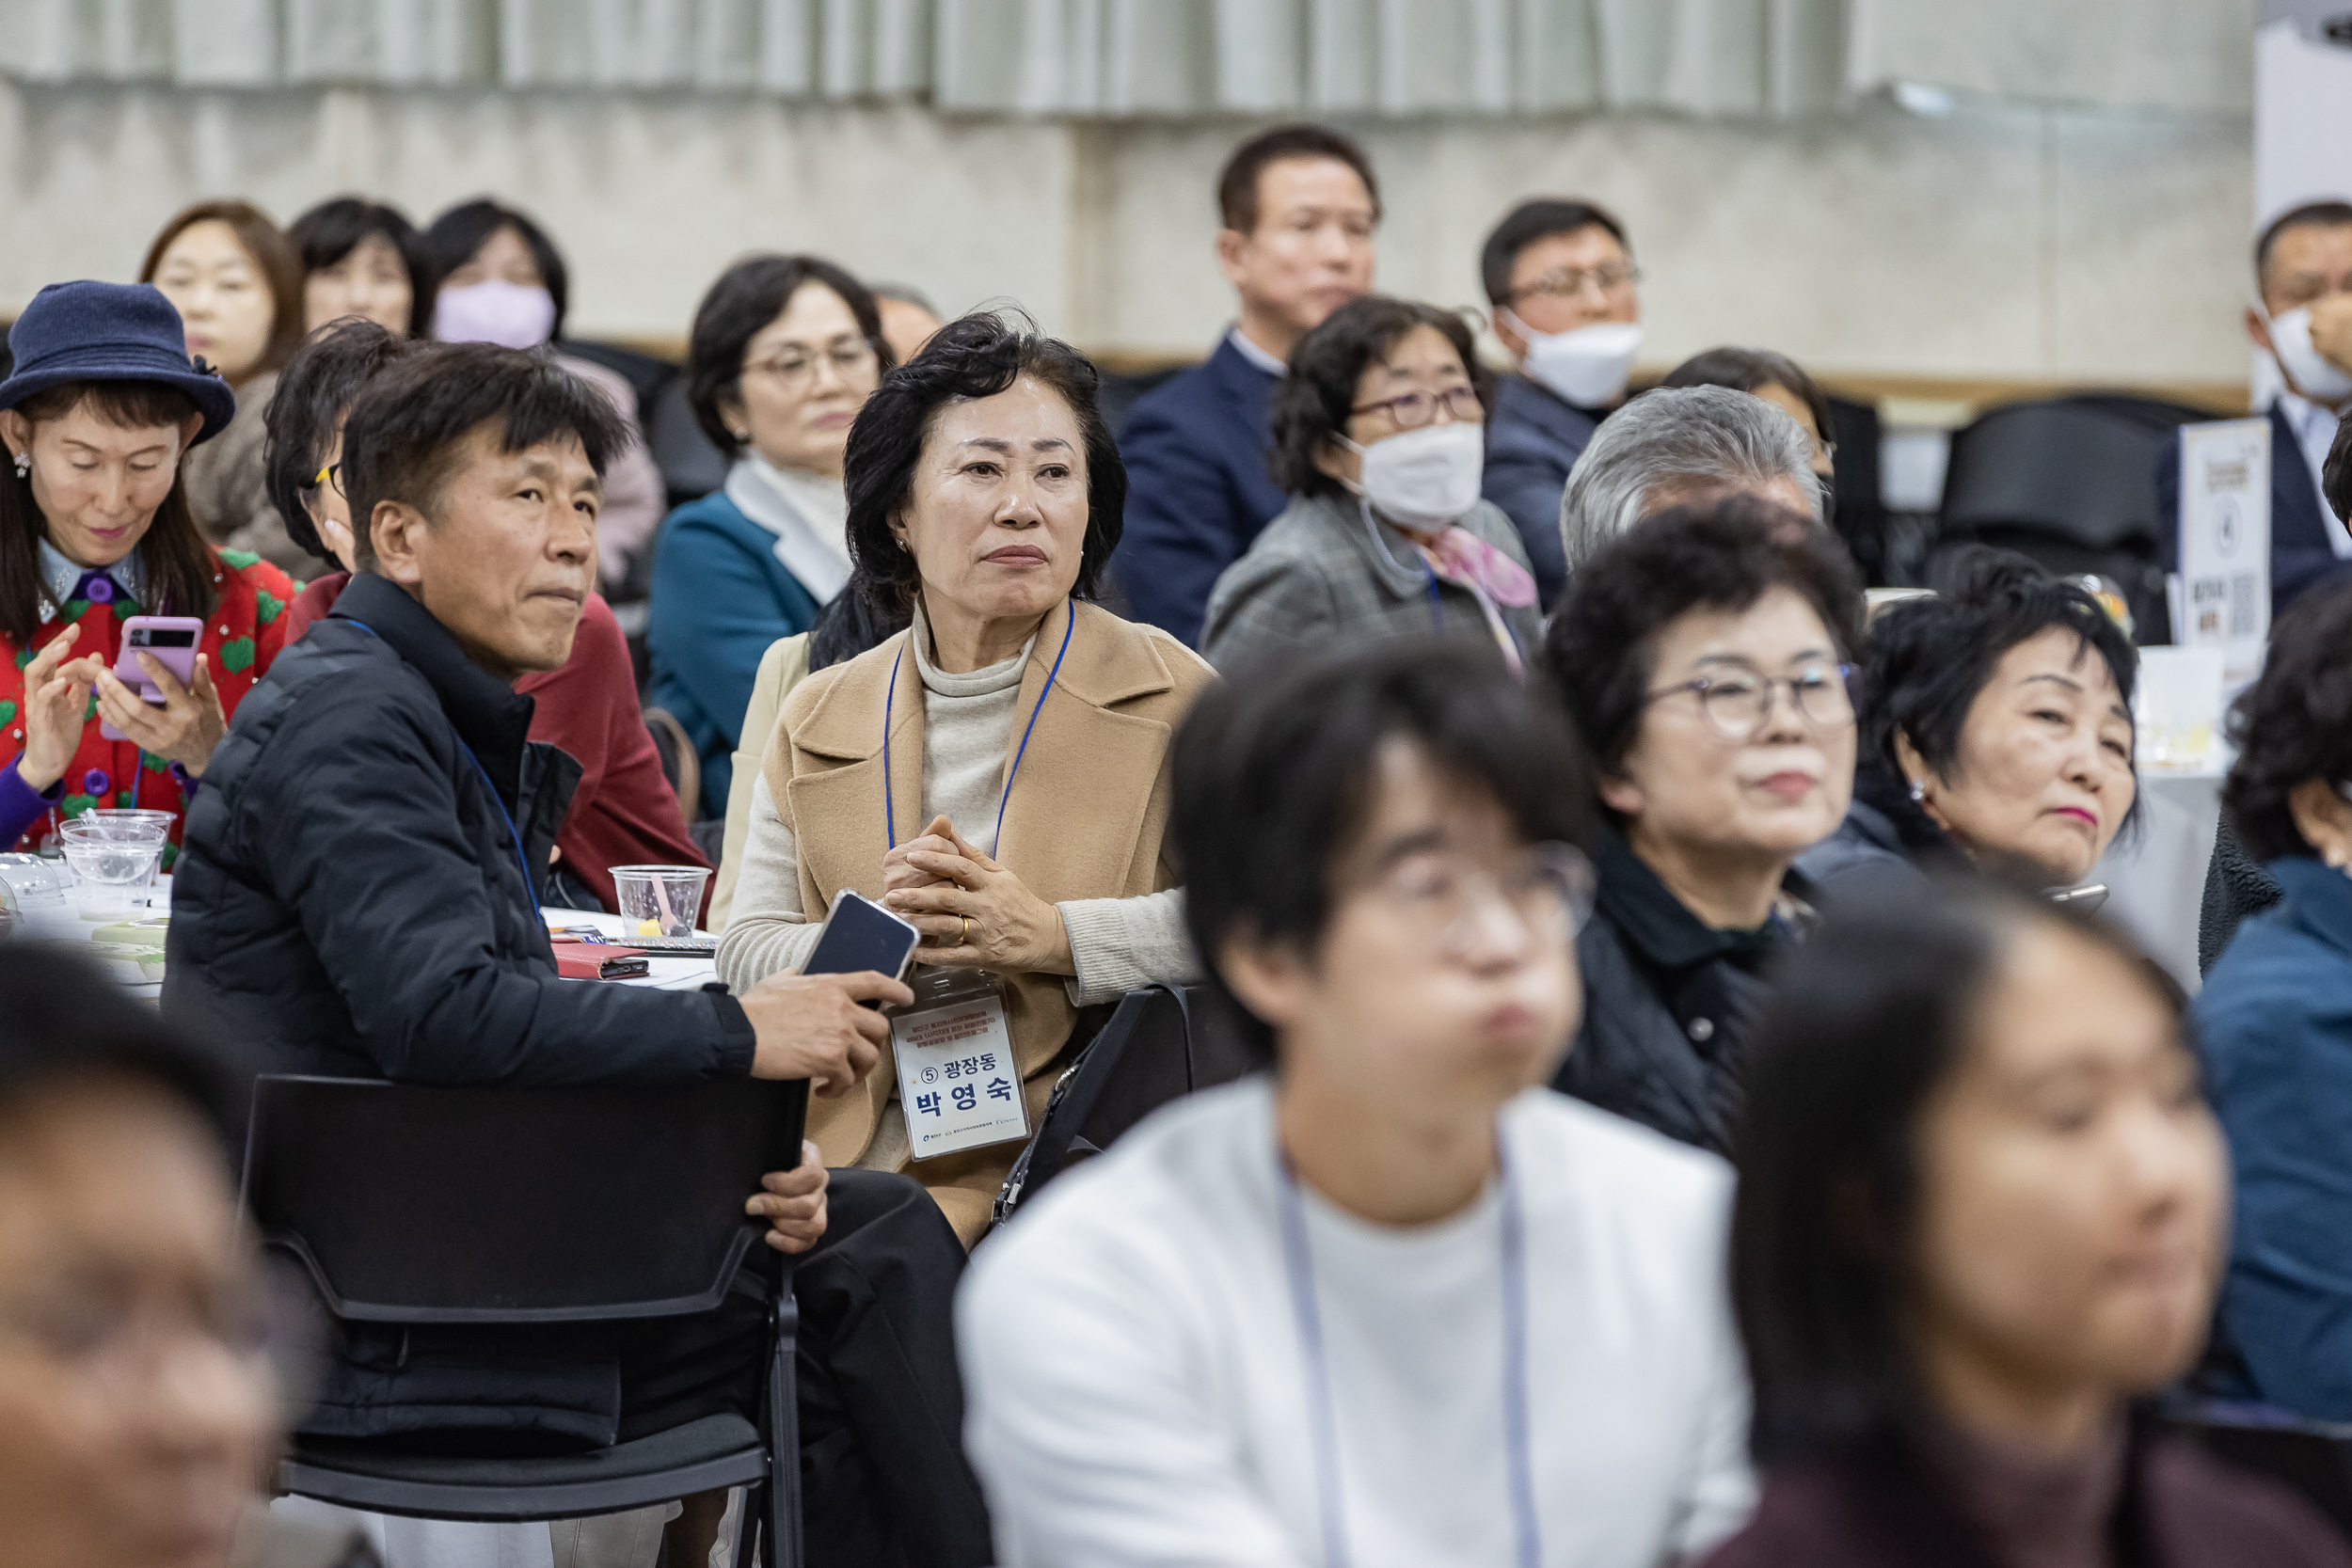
(23, 463)
(1918, 794)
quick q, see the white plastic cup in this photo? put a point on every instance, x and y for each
(658, 900)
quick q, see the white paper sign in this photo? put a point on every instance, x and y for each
(2225, 543)
(957, 1083)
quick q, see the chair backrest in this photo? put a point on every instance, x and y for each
(2081, 469)
(1162, 1043)
(680, 763)
(690, 465)
(414, 1204)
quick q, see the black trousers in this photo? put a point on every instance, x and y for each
(883, 1479)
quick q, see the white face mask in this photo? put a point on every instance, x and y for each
(512, 315)
(1587, 366)
(2310, 372)
(1424, 479)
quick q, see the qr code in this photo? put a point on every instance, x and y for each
(2242, 593)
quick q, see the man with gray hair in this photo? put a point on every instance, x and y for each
(1682, 444)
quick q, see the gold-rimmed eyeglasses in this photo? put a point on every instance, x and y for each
(1548, 888)
(1568, 282)
(795, 370)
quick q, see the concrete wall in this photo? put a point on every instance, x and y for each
(1992, 243)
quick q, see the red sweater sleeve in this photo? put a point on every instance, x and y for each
(314, 603)
(624, 811)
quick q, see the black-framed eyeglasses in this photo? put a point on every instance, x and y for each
(1568, 282)
(1737, 702)
(1411, 410)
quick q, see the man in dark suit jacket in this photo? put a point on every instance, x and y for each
(1551, 268)
(1299, 204)
(2303, 266)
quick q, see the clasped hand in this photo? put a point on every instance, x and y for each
(973, 912)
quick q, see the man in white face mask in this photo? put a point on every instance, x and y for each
(1561, 282)
(2303, 321)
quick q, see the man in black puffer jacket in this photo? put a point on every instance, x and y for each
(357, 891)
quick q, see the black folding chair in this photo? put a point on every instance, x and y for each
(414, 1205)
(1160, 1044)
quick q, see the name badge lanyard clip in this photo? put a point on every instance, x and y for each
(1322, 1414)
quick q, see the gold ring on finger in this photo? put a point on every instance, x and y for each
(965, 939)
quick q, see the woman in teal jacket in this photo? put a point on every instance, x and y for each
(785, 350)
(2276, 1021)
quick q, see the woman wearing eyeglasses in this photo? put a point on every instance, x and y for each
(1996, 730)
(1379, 437)
(1702, 655)
(785, 350)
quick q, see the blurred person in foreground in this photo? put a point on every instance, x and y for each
(2274, 1019)
(98, 418)
(364, 259)
(1979, 1221)
(2301, 317)
(1703, 659)
(1379, 437)
(623, 812)
(1996, 729)
(1392, 1301)
(501, 280)
(235, 279)
(784, 352)
(138, 1403)
(1297, 205)
(1563, 285)
(1675, 445)
(360, 897)
(1016, 732)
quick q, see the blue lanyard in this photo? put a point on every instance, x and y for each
(1322, 1416)
(890, 819)
(530, 888)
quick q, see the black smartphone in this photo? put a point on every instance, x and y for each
(860, 934)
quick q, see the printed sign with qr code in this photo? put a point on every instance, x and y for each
(2223, 593)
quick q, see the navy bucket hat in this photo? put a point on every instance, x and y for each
(89, 331)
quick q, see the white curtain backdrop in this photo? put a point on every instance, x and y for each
(1127, 58)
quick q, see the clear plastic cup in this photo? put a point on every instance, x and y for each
(658, 900)
(112, 864)
(159, 822)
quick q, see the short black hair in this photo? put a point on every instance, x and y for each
(2293, 723)
(2310, 215)
(333, 229)
(404, 435)
(972, 356)
(1312, 403)
(1929, 658)
(1867, 1019)
(1273, 778)
(1751, 370)
(1601, 651)
(1538, 219)
(747, 297)
(66, 1018)
(313, 391)
(457, 234)
(1237, 193)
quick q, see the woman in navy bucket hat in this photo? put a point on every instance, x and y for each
(95, 528)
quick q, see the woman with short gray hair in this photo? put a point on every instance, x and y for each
(1675, 446)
